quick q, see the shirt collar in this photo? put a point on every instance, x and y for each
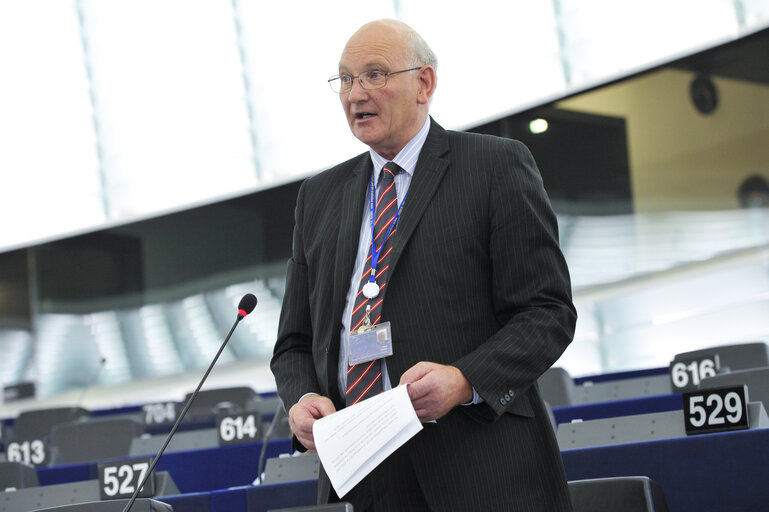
(406, 157)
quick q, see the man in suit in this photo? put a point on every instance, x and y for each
(471, 280)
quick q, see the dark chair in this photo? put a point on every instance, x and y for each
(556, 387)
(331, 507)
(36, 424)
(757, 380)
(87, 441)
(736, 356)
(35, 427)
(17, 475)
(140, 505)
(628, 494)
(207, 402)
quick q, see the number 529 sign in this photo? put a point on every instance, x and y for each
(715, 410)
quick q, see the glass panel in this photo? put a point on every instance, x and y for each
(605, 37)
(510, 56)
(169, 101)
(300, 126)
(48, 161)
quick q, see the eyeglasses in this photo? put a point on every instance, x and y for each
(369, 80)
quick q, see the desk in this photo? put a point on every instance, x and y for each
(707, 473)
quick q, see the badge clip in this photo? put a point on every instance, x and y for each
(366, 327)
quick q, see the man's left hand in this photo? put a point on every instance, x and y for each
(435, 389)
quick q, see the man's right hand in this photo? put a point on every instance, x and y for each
(303, 414)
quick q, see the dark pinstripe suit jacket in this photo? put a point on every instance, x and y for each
(477, 280)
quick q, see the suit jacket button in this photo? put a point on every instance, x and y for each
(511, 392)
(507, 398)
(502, 401)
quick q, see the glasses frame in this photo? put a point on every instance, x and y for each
(360, 80)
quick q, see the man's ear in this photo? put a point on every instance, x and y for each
(427, 81)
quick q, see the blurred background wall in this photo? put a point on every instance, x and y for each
(151, 151)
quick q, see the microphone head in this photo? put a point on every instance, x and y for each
(247, 304)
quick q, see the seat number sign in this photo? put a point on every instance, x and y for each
(29, 452)
(159, 413)
(687, 374)
(715, 410)
(118, 479)
(239, 428)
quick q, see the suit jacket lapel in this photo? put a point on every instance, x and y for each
(351, 213)
(428, 174)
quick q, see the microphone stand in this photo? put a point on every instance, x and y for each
(241, 315)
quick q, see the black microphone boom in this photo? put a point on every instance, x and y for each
(245, 306)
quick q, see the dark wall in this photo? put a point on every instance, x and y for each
(143, 257)
(14, 290)
(583, 158)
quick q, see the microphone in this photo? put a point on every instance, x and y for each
(276, 419)
(245, 307)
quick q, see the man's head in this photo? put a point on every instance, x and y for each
(387, 118)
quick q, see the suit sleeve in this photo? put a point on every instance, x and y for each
(292, 360)
(531, 287)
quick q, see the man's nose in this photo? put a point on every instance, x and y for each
(357, 92)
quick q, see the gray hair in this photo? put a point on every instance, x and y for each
(422, 54)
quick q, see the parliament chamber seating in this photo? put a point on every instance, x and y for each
(36, 424)
(237, 399)
(628, 494)
(140, 505)
(84, 441)
(633, 444)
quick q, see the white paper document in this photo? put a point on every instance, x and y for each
(353, 441)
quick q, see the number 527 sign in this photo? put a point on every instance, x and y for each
(119, 479)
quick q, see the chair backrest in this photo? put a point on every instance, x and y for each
(330, 507)
(736, 356)
(292, 469)
(17, 475)
(628, 494)
(36, 424)
(87, 441)
(556, 387)
(205, 404)
(756, 379)
(140, 505)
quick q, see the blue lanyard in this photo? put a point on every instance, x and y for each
(372, 209)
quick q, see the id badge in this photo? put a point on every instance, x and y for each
(374, 343)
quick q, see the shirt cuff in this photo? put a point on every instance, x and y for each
(477, 399)
(307, 394)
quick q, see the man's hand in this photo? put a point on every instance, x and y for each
(303, 414)
(435, 389)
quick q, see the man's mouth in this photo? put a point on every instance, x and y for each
(363, 115)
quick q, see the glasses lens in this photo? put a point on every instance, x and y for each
(373, 79)
(340, 83)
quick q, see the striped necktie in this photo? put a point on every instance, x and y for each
(365, 380)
